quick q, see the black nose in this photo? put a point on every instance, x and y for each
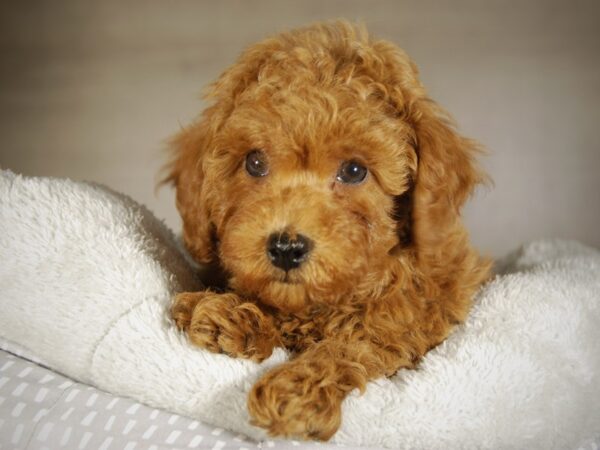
(287, 253)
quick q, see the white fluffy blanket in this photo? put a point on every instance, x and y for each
(86, 276)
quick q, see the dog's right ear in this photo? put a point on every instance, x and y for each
(192, 144)
(186, 173)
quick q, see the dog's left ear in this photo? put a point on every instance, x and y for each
(447, 170)
(428, 213)
(447, 173)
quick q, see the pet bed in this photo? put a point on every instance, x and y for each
(86, 277)
(43, 410)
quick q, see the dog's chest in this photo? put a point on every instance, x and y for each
(301, 330)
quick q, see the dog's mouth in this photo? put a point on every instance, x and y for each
(288, 278)
(286, 292)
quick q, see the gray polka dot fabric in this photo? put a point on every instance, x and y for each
(40, 409)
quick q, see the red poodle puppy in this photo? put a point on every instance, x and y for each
(327, 188)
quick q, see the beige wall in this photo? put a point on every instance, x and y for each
(91, 90)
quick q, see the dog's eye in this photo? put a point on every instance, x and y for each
(256, 163)
(351, 172)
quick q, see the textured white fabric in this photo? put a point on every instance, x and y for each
(85, 280)
(43, 410)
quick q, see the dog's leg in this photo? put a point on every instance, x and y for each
(223, 323)
(303, 397)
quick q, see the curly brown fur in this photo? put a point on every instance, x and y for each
(391, 271)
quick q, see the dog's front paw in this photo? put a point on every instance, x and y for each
(183, 307)
(222, 323)
(297, 400)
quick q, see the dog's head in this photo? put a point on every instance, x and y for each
(320, 164)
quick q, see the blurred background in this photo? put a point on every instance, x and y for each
(91, 90)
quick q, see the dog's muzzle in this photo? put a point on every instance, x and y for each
(288, 253)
